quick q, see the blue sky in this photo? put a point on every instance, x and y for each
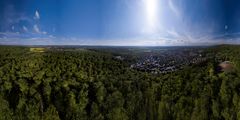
(119, 22)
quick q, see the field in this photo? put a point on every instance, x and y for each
(37, 50)
(119, 83)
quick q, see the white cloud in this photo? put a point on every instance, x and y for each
(36, 29)
(226, 27)
(174, 8)
(8, 33)
(173, 33)
(51, 36)
(25, 29)
(13, 28)
(44, 32)
(37, 15)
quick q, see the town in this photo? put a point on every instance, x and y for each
(169, 60)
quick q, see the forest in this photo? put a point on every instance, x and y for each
(90, 84)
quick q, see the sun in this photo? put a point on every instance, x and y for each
(151, 13)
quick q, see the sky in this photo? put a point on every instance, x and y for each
(119, 22)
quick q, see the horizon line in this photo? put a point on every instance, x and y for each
(28, 45)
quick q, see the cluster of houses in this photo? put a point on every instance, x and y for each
(168, 61)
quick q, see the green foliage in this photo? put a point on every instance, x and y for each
(163, 111)
(5, 112)
(51, 113)
(92, 85)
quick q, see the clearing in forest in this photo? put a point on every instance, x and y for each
(37, 50)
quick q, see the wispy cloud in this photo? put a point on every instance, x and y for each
(37, 15)
(173, 33)
(13, 28)
(25, 29)
(174, 8)
(37, 30)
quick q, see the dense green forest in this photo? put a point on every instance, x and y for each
(92, 85)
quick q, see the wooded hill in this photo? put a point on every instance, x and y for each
(90, 85)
